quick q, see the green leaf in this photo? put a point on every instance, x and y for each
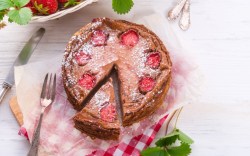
(2, 13)
(21, 16)
(5, 4)
(71, 3)
(184, 138)
(10, 20)
(154, 151)
(168, 140)
(182, 150)
(122, 6)
(20, 3)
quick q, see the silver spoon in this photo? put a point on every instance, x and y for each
(185, 17)
(176, 10)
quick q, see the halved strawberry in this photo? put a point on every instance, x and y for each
(82, 58)
(108, 112)
(130, 38)
(99, 38)
(153, 60)
(87, 81)
(146, 84)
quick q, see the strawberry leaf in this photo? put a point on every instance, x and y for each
(41, 9)
(5, 4)
(182, 150)
(20, 3)
(168, 140)
(71, 3)
(184, 138)
(21, 16)
(122, 6)
(2, 13)
(168, 144)
(155, 151)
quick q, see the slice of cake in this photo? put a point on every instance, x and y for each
(98, 118)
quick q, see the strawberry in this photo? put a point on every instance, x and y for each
(153, 60)
(31, 6)
(108, 112)
(87, 81)
(146, 84)
(82, 58)
(99, 38)
(46, 6)
(129, 38)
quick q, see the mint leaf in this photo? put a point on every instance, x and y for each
(20, 3)
(168, 140)
(21, 16)
(5, 4)
(122, 6)
(184, 138)
(154, 151)
(182, 150)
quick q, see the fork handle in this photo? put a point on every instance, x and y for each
(36, 137)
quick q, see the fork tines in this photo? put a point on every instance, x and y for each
(49, 88)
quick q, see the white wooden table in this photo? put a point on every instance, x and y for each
(220, 38)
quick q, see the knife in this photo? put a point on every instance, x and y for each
(21, 59)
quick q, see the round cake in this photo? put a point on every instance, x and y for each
(115, 73)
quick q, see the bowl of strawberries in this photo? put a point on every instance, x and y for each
(24, 11)
(44, 10)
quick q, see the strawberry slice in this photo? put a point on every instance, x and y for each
(99, 38)
(153, 60)
(87, 81)
(146, 84)
(130, 38)
(82, 58)
(108, 113)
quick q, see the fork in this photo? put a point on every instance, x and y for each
(47, 98)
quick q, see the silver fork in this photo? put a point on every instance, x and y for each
(47, 98)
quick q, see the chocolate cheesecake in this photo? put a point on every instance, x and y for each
(143, 74)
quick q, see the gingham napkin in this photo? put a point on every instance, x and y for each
(58, 135)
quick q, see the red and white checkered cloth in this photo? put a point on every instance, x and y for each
(135, 145)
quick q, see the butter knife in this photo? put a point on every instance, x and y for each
(21, 59)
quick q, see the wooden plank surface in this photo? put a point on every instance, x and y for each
(16, 110)
(219, 39)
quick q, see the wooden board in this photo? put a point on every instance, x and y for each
(16, 110)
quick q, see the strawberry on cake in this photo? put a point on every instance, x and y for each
(115, 73)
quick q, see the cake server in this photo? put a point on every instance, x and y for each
(21, 59)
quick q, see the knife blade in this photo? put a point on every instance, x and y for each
(21, 59)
